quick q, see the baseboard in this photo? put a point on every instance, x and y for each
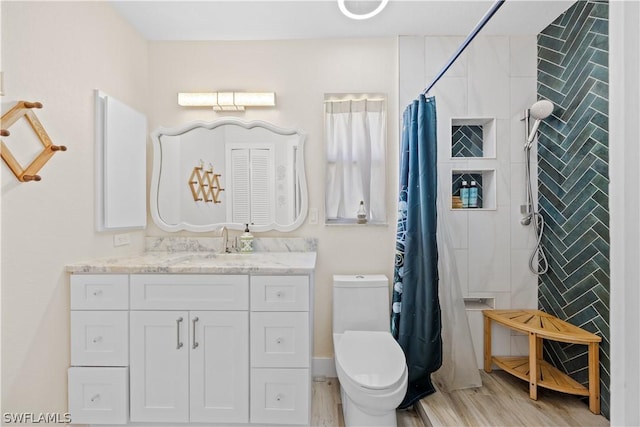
(323, 366)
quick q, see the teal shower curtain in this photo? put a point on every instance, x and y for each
(415, 317)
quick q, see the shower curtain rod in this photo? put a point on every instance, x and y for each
(466, 42)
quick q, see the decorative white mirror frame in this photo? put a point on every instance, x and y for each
(183, 225)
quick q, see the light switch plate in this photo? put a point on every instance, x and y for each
(313, 216)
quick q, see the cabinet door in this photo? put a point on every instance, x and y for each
(219, 346)
(159, 366)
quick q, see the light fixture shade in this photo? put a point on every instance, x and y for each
(256, 99)
(197, 99)
(349, 14)
(227, 101)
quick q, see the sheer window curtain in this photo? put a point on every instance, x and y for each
(355, 132)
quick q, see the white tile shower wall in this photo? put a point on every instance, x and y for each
(488, 74)
(437, 52)
(495, 77)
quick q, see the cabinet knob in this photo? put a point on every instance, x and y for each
(97, 339)
(97, 292)
(96, 397)
(279, 397)
(279, 340)
(279, 294)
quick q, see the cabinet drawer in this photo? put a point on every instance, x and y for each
(189, 292)
(280, 396)
(280, 293)
(99, 292)
(99, 338)
(280, 340)
(98, 395)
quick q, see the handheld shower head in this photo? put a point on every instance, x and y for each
(539, 111)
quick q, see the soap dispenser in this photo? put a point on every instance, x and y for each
(246, 240)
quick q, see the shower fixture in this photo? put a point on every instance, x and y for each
(538, 111)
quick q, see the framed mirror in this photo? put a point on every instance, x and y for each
(228, 173)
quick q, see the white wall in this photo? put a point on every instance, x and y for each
(300, 72)
(56, 53)
(624, 205)
(495, 77)
(78, 46)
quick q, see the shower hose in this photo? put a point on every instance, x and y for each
(538, 222)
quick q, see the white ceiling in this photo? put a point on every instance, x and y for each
(304, 19)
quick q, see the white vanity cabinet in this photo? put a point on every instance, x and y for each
(280, 350)
(189, 365)
(211, 349)
(98, 376)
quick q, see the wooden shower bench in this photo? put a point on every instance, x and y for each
(540, 325)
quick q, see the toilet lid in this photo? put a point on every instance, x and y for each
(372, 360)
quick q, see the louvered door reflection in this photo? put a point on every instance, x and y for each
(241, 178)
(252, 192)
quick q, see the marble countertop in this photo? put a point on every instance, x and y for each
(203, 255)
(201, 262)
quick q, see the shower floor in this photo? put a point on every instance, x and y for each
(503, 400)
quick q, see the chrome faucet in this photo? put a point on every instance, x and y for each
(225, 239)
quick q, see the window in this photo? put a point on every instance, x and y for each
(355, 137)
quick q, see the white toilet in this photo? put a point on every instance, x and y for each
(371, 366)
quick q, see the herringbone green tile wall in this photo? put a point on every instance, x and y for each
(573, 181)
(466, 141)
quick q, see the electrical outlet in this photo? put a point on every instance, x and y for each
(121, 239)
(313, 216)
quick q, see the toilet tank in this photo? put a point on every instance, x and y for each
(360, 303)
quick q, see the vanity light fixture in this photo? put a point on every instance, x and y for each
(227, 101)
(349, 14)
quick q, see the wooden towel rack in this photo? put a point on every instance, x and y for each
(205, 185)
(29, 173)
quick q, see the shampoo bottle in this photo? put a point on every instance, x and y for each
(473, 195)
(246, 240)
(464, 194)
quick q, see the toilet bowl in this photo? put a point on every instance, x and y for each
(371, 365)
(373, 377)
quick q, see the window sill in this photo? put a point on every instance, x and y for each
(353, 222)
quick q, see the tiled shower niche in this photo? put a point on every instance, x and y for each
(473, 138)
(485, 181)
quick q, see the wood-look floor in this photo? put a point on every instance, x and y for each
(327, 412)
(503, 400)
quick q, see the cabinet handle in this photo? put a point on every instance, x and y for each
(178, 321)
(194, 320)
